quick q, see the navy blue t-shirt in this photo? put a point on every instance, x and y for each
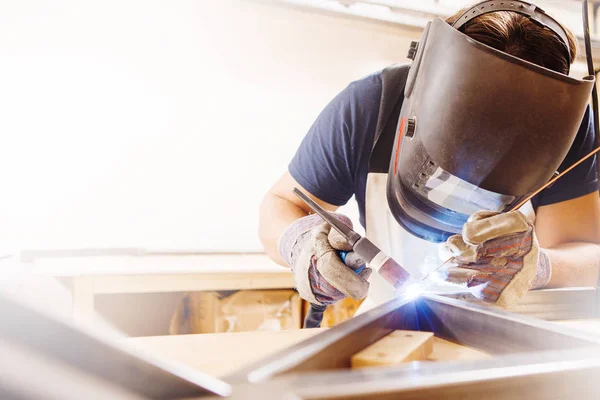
(332, 160)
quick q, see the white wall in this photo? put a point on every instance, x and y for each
(162, 123)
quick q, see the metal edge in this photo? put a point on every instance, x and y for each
(568, 373)
(557, 304)
(495, 330)
(101, 354)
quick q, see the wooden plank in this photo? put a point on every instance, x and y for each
(444, 350)
(396, 348)
(220, 354)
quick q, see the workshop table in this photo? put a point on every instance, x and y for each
(220, 354)
(90, 276)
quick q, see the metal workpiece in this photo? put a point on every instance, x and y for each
(490, 329)
(28, 375)
(553, 304)
(557, 375)
(333, 348)
(98, 354)
(560, 304)
(495, 330)
(565, 374)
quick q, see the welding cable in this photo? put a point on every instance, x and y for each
(314, 316)
(590, 64)
(591, 71)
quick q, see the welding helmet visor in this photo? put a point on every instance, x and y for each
(479, 129)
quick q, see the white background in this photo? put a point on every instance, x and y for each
(161, 124)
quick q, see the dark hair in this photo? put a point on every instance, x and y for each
(515, 34)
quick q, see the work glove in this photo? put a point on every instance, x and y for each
(500, 252)
(312, 249)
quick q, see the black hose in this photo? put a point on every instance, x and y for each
(590, 65)
(591, 71)
(314, 316)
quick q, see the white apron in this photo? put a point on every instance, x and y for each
(417, 256)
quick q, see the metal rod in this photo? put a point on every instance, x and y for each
(551, 181)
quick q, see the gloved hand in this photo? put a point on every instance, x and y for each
(310, 247)
(500, 251)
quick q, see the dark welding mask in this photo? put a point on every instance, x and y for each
(479, 129)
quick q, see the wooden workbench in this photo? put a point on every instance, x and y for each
(223, 353)
(89, 276)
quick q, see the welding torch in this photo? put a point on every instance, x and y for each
(389, 269)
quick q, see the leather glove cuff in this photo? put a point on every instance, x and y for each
(292, 236)
(544, 271)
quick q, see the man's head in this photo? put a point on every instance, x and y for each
(518, 35)
(488, 115)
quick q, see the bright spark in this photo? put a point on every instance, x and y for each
(414, 290)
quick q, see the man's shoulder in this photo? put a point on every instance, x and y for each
(368, 86)
(360, 100)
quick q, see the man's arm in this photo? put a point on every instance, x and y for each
(569, 231)
(278, 210)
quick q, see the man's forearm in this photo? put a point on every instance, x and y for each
(276, 214)
(574, 264)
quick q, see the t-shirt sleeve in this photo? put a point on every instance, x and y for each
(583, 179)
(326, 161)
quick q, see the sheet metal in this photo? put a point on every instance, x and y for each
(490, 329)
(561, 304)
(556, 375)
(101, 355)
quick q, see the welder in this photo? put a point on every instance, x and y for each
(437, 152)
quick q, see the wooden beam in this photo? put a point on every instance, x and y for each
(396, 348)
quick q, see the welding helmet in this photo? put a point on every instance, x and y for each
(479, 129)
